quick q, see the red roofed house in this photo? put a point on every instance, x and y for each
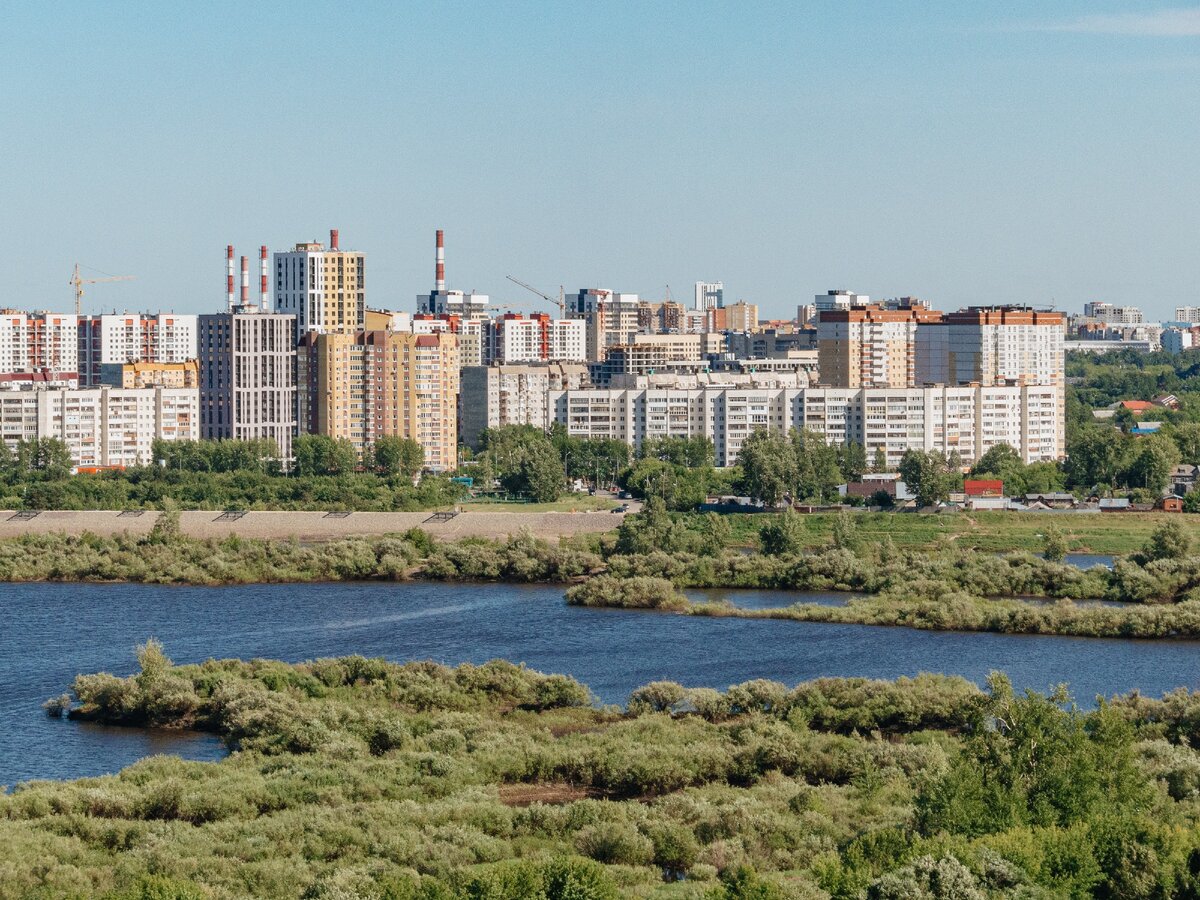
(985, 487)
(1136, 406)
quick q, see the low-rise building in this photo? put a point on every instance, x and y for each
(151, 374)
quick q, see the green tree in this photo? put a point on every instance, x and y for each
(1054, 545)
(1034, 761)
(768, 465)
(48, 458)
(1150, 465)
(783, 535)
(817, 472)
(319, 454)
(1096, 457)
(1186, 436)
(539, 473)
(879, 461)
(690, 452)
(1168, 541)
(927, 475)
(397, 456)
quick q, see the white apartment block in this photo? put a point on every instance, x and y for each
(133, 337)
(513, 338)
(38, 342)
(709, 295)
(991, 346)
(968, 419)
(837, 299)
(1112, 314)
(102, 427)
(1189, 314)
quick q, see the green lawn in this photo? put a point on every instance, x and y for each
(569, 503)
(1115, 533)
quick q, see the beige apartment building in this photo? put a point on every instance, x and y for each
(151, 374)
(869, 346)
(371, 384)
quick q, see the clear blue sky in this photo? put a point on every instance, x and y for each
(961, 152)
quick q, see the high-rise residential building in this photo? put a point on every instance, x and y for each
(1189, 314)
(968, 420)
(1112, 314)
(838, 299)
(991, 345)
(514, 338)
(647, 352)
(710, 295)
(247, 376)
(133, 338)
(441, 302)
(101, 427)
(1176, 340)
(868, 346)
(610, 318)
(378, 383)
(323, 289)
(492, 396)
(39, 342)
(740, 316)
(667, 317)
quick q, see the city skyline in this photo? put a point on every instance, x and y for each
(963, 156)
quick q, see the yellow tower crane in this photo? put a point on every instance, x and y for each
(77, 282)
(560, 302)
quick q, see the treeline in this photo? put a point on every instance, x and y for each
(361, 778)
(327, 475)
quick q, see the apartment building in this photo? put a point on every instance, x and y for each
(709, 295)
(647, 352)
(151, 374)
(609, 318)
(740, 316)
(133, 337)
(991, 345)
(968, 420)
(101, 427)
(496, 395)
(1112, 314)
(377, 383)
(247, 376)
(514, 338)
(39, 342)
(869, 346)
(1188, 314)
(324, 290)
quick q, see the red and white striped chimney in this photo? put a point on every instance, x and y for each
(229, 275)
(439, 280)
(264, 294)
(333, 239)
(245, 281)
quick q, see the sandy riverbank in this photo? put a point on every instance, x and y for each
(313, 526)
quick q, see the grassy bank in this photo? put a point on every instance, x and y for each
(1103, 533)
(357, 778)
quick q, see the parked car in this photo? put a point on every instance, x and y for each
(625, 495)
(624, 507)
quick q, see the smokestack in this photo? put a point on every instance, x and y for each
(264, 295)
(439, 281)
(229, 275)
(333, 239)
(245, 281)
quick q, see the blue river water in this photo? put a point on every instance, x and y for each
(51, 632)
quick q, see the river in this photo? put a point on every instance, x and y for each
(51, 632)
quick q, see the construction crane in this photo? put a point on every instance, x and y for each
(77, 282)
(560, 302)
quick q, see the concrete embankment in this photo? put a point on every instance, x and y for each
(312, 526)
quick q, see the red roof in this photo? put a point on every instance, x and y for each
(1137, 405)
(983, 487)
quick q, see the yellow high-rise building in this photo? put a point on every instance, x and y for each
(374, 383)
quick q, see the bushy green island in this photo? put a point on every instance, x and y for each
(358, 778)
(654, 556)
